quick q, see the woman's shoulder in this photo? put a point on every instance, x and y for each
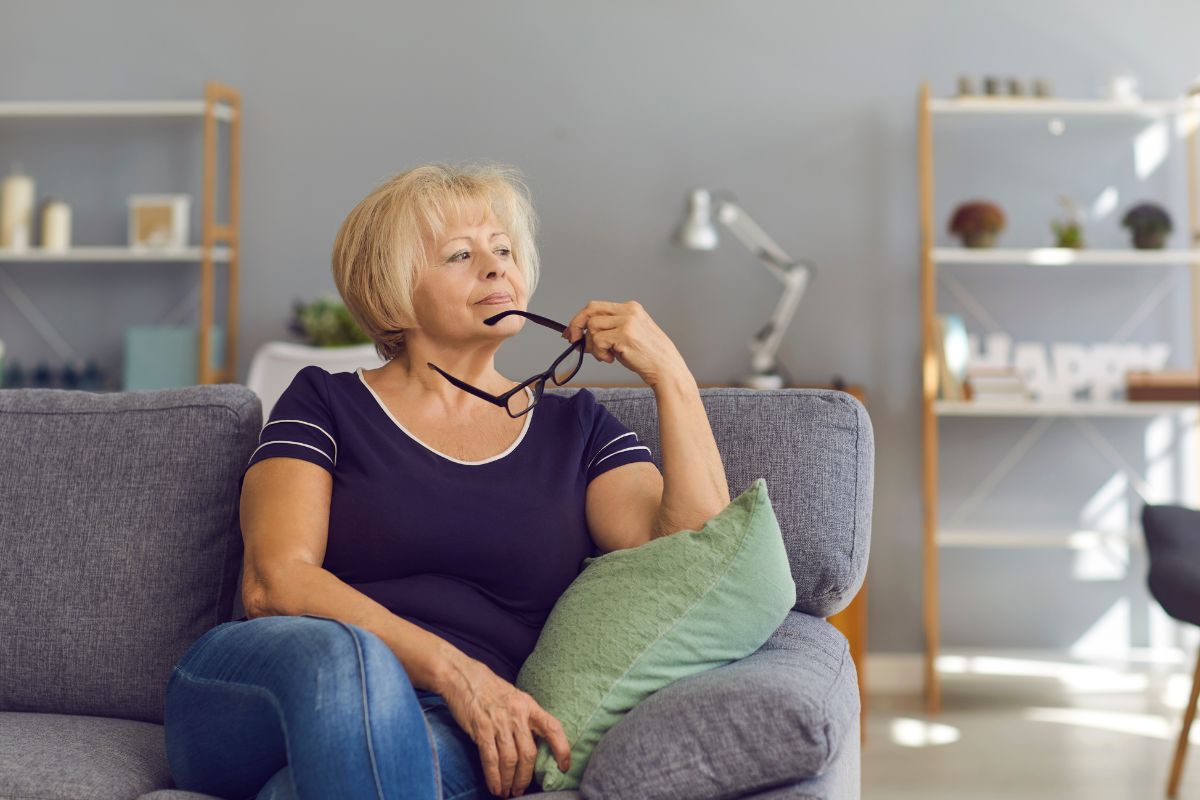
(317, 375)
(579, 399)
(314, 384)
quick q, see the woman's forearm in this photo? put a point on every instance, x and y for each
(302, 588)
(694, 485)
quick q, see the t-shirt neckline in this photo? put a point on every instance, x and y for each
(409, 434)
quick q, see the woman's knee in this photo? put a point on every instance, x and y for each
(343, 642)
(299, 656)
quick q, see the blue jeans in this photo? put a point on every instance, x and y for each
(308, 707)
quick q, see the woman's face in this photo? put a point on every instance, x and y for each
(467, 264)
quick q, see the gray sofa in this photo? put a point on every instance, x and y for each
(120, 546)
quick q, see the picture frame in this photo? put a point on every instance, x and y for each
(159, 221)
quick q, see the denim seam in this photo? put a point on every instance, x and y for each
(437, 766)
(362, 675)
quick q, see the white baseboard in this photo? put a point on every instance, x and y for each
(894, 673)
(903, 673)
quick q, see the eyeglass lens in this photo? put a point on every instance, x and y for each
(516, 402)
(562, 371)
(566, 367)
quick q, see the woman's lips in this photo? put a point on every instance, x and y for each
(494, 301)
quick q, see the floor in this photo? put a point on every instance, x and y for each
(1034, 728)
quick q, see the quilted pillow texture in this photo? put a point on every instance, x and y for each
(636, 620)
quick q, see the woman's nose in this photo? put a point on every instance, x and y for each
(494, 264)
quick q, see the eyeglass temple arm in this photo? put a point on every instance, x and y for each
(538, 318)
(466, 387)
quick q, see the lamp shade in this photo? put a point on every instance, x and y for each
(697, 231)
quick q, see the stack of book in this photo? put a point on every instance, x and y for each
(1151, 387)
(988, 384)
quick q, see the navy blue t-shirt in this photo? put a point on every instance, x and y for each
(477, 552)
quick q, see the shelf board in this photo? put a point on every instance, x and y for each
(1079, 408)
(119, 108)
(1062, 256)
(1055, 106)
(220, 254)
(1017, 538)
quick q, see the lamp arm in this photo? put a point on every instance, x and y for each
(766, 342)
(794, 274)
(755, 238)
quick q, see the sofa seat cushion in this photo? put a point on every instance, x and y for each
(67, 757)
(776, 717)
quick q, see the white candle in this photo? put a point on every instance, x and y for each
(16, 211)
(56, 226)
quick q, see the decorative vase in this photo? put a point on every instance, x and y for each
(979, 239)
(1149, 240)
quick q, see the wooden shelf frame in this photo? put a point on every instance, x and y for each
(218, 96)
(931, 256)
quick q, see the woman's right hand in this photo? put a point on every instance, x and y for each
(501, 720)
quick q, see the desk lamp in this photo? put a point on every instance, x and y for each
(697, 232)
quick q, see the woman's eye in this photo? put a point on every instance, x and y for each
(455, 257)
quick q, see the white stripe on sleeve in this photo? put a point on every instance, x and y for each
(606, 444)
(303, 422)
(298, 444)
(637, 447)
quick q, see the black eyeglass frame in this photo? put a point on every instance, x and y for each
(540, 378)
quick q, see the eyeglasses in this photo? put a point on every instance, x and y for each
(561, 371)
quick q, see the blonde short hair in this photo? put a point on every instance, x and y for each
(379, 250)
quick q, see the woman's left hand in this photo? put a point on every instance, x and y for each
(625, 332)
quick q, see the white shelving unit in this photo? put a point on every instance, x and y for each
(998, 408)
(1062, 256)
(1026, 262)
(218, 242)
(223, 110)
(1054, 106)
(122, 254)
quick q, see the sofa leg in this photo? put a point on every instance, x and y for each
(1189, 714)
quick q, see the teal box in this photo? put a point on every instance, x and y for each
(165, 356)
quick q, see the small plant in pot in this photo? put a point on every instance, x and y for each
(1068, 232)
(977, 223)
(326, 322)
(1150, 225)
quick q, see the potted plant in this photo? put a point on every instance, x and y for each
(332, 341)
(326, 322)
(977, 223)
(1150, 225)
(1068, 232)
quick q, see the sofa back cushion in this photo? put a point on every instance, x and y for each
(816, 450)
(119, 539)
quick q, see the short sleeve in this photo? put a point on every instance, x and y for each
(301, 423)
(609, 443)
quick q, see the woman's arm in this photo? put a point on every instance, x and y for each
(694, 485)
(284, 514)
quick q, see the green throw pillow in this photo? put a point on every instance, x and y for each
(638, 619)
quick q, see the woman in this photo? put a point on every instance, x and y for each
(405, 539)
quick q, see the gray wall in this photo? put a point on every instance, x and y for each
(805, 110)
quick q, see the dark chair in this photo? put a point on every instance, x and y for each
(1173, 544)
